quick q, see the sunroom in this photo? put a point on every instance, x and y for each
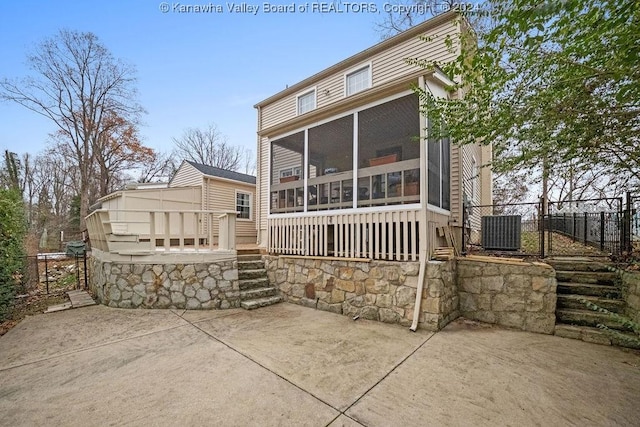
(350, 185)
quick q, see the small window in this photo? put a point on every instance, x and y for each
(358, 80)
(294, 171)
(306, 102)
(243, 205)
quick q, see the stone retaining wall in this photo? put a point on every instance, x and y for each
(631, 294)
(517, 295)
(376, 290)
(190, 286)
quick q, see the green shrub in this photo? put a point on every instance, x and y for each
(12, 254)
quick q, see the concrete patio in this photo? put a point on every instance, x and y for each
(290, 365)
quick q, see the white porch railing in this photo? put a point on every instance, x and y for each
(388, 235)
(161, 230)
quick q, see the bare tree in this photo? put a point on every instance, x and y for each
(210, 147)
(77, 84)
(160, 167)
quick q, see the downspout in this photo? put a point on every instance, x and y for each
(424, 229)
(421, 279)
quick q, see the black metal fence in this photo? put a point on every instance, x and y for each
(514, 229)
(588, 227)
(54, 272)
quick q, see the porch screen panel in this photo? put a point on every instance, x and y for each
(389, 153)
(331, 165)
(439, 168)
(287, 168)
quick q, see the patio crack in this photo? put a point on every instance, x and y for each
(340, 412)
(380, 380)
(246, 356)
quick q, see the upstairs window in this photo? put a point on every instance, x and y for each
(306, 102)
(358, 80)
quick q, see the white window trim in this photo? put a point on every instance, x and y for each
(304, 93)
(250, 205)
(353, 70)
(292, 169)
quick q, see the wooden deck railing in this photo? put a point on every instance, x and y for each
(388, 235)
(161, 230)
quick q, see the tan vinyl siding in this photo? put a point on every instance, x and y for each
(391, 63)
(221, 196)
(486, 182)
(469, 152)
(330, 90)
(388, 65)
(186, 176)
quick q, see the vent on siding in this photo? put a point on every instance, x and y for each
(501, 232)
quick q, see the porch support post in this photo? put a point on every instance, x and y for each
(354, 190)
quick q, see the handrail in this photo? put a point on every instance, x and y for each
(114, 230)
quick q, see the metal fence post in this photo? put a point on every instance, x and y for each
(585, 228)
(46, 273)
(602, 231)
(85, 269)
(464, 232)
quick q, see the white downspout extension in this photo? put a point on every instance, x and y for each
(421, 279)
(424, 229)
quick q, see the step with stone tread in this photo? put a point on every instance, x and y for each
(596, 335)
(574, 301)
(250, 264)
(256, 293)
(611, 292)
(252, 274)
(253, 283)
(260, 302)
(587, 318)
(591, 277)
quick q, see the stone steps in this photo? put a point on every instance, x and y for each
(248, 274)
(247, 284)
(255, 290)
(574, 302)
(250, 264)
(591, 277)
(595, 282)
(587, 318)
(258, 293)
(260, 302)
(596, 335)
(564, 264)
(611, 292)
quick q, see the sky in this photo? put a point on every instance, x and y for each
(193, 69)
